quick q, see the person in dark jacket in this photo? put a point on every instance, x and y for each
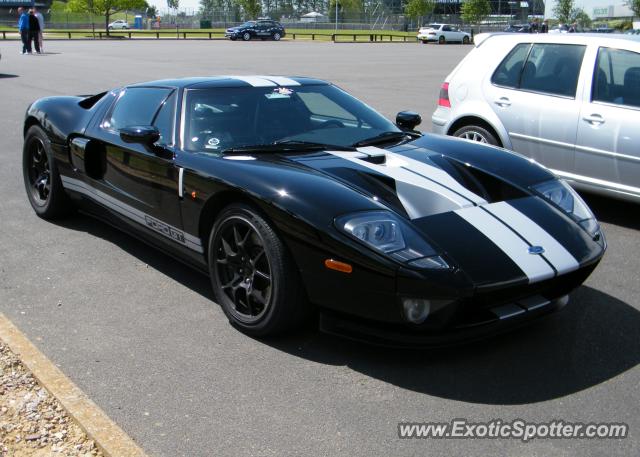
(23, 27)
(544, 28)
(34, 30)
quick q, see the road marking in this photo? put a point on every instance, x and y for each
(110, 438)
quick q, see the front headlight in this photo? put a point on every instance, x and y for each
(563, 195)
(386, 233)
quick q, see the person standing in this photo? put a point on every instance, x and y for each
(34, 28)
(41, 24)
(23, 27)
(544, 28)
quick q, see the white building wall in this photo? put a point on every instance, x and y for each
(596, 9)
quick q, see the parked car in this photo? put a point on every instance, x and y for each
(296, 199)
(571, 103)
(517, 28)
(120, 24)
(263, 29)
(443, 33)
(562, 28)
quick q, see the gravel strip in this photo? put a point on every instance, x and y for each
(32, 422)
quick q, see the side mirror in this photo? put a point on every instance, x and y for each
(143, 134)
(408, 120)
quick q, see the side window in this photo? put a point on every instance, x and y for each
(165, 120)
(137, 106)
(446, 28)
(508, 72)
(617, 77)
(553, 69)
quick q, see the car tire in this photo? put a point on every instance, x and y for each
(41, 178)
(253, 276)
(232, 38)
(425, 42)
(109, 28)
(465, 40)
(476, 133)
(277, 36)
(441, 39)
(246, 36)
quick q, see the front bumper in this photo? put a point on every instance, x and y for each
(488, 312)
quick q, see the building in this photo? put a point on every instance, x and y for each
(597, 9)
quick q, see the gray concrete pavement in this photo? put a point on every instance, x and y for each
(140, 334)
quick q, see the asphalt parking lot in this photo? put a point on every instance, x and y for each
(140, 335)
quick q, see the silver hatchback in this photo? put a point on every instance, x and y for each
(570, 102)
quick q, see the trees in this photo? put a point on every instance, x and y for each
(105, 7)
(251, 8)
(564, 10)
(634, 5)
(474, 11)
(417, 9)
(580, 17)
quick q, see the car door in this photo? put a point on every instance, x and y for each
(449, 34)
(608, 145)
(533, 92)
(140, 182)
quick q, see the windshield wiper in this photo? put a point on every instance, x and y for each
(287, 145)
(384, 137)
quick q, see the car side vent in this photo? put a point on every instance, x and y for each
(378, 159)
(91, 100)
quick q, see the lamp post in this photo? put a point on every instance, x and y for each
(336, 16)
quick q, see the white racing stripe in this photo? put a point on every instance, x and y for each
(255, 81)
(554, 252)
(281, 80)
(534, 266)
(430, 172)
(419, 196)
(169, 231)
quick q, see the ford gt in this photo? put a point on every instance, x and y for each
(299, 200)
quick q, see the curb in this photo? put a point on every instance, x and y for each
(108, 436)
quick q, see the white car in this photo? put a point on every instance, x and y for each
(119, 25)
(570, 102)
(443, 33)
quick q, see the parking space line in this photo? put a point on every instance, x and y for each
(108, 436)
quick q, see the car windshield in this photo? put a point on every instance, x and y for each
(221, 119)
(433, 26)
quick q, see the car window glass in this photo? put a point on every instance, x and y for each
(164, 120)
(446, 28)
(617, 77)
(508, 72)
(553, 69)
(137, 106)
(218, 119)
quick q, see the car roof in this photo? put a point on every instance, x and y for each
(231, 81)
(569, 38)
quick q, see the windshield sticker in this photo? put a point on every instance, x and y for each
(212, 143)
(280, 92)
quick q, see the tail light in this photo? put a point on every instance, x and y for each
(443, 99)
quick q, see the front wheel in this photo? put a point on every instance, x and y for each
(232, 38)
(277, 36)
(41, 178)
(424, 42)
(253, 276)
(246, 36)
(476, 133)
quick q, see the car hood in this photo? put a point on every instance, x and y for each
(471, 202)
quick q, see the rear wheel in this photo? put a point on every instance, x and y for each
(441, 39)
(465, 40)
(41, 178)
(253, 276)
(476, 133)
(246, 36)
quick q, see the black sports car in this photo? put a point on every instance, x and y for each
(263, 29)
(298, 200)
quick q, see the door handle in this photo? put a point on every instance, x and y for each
(594, 119)
(503, 102)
